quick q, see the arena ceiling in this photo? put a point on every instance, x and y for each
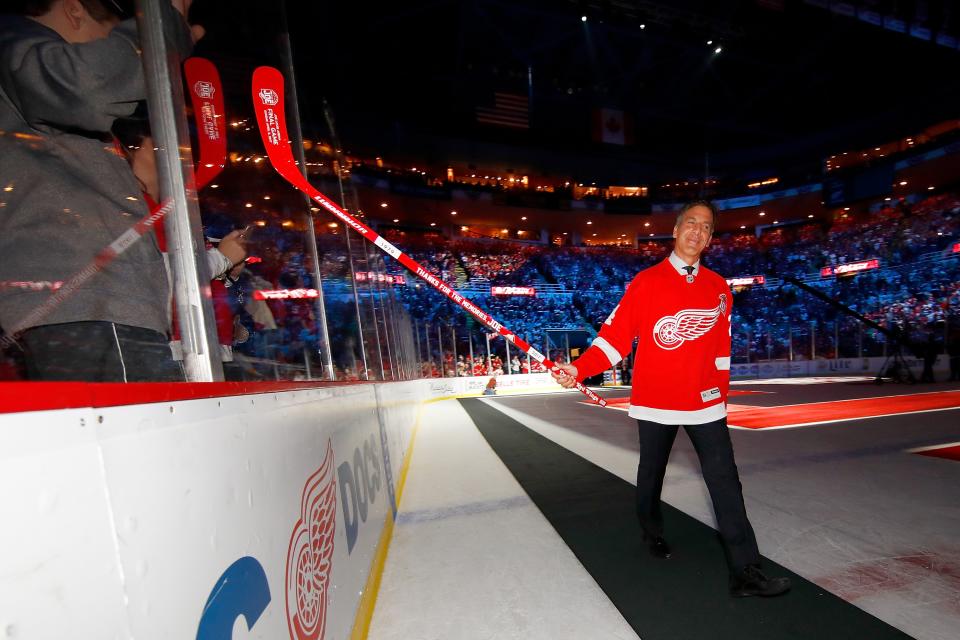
(794, 81)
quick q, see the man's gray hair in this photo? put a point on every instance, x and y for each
(698, 203)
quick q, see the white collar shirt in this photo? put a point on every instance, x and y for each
(679, 264)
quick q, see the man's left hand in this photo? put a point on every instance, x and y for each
(568, 381)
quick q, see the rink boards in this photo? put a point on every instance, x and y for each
(830, 366)
(264, 513)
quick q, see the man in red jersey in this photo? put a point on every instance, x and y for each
(679, 312)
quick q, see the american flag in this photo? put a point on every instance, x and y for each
(508, 110)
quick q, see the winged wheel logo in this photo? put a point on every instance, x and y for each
(672, 331)
(310, 555)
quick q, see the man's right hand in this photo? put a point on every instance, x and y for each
(234, 246)
(568, 381)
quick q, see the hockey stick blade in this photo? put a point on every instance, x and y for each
(206, 96)
(268, 102)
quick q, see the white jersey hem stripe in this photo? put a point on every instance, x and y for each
(612, 354)
(667, 416)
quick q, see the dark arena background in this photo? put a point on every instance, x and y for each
(342, 449)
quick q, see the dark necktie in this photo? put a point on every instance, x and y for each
(689, 270)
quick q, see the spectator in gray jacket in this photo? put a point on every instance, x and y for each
(68, 70)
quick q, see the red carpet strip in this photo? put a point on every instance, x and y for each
(947, 451)
(818, 412)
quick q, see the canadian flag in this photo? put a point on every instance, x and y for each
(612, 126)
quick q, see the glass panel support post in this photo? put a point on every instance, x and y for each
(185, 245)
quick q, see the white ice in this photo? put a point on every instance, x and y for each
(472, 558)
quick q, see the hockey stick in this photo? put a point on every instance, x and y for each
(268, 102)
(206, 96)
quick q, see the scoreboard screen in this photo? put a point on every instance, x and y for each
(872, 182)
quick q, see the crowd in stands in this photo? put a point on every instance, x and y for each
(916, 290)
(480, 365)
(910, 291)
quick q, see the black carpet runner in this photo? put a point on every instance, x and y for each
(683, 597)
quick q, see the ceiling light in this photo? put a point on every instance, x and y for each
(383, 204)
(396, 219)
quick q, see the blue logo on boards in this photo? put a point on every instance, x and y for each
(359, 485)
(242, 590)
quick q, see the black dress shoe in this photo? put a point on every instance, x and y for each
(658, 546)
(752, 582)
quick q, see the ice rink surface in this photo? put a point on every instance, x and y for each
(472, 557)
(845, 504)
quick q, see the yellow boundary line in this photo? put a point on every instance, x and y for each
(368, 601)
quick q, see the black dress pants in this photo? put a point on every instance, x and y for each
(715, 451)
(98, 352)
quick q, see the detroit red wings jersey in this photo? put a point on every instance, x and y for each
(681, 371)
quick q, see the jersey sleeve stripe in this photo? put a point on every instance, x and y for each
(612, 354)
(723, 364)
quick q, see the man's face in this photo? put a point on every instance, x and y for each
(693, 232)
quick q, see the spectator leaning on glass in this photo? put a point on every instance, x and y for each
(68, 69)
(680, 313)
(224, 262)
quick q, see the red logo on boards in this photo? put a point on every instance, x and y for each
(310, 556)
